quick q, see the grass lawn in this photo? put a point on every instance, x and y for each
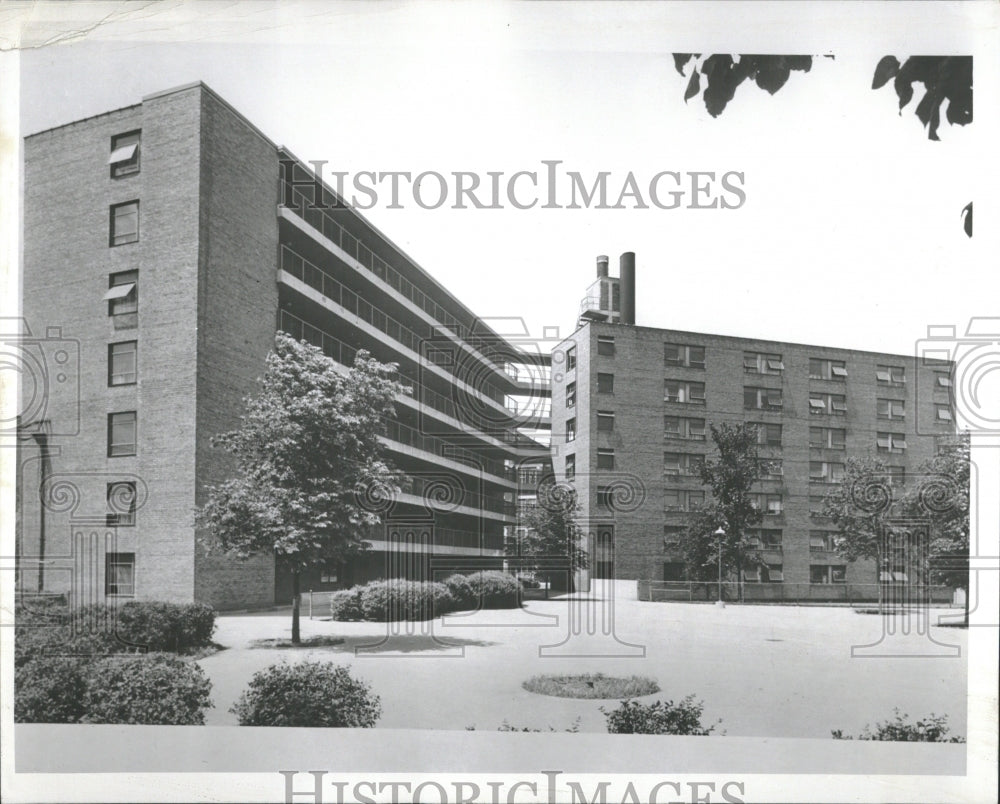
(766, 671)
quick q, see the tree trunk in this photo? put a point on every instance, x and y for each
(296, 638)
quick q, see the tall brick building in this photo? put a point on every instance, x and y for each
(631, 408)
(164, 245)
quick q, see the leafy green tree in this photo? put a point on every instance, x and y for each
(552, 544)
(945, 78)
(860, 508)
(724, 73)
(307, 451)
(731, 477)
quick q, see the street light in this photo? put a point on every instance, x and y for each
(720, 534)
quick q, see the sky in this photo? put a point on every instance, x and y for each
(850, 234)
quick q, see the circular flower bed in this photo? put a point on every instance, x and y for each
(591, 685)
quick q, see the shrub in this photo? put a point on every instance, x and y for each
(398, 599)
(660, 717)
(931, 729)
(496, 590)
(154, 689)
(307, 694)
(346, 604)
(462, 592)
(158, 626)
(50, 690)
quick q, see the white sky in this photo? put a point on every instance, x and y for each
(851, 232)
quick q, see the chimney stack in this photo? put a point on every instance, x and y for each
(626, 273)
(602, 266)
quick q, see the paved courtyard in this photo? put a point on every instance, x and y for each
(766, 671)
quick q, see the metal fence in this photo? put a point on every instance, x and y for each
(895, 595)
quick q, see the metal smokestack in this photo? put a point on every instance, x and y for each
(602, 266)
(626, 273)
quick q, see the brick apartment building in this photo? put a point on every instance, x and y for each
(164, 245)
(631, 408)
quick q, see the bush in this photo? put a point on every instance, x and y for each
(398, 599)
(50, 690)
(931, 729)
(496, 590)
(154, 689)
(661, 717)
(346, 604)
(462, 591)
(307, 694)
(158, 626)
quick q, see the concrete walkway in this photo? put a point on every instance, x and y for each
(766, 671)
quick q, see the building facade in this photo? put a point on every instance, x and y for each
(631, 410)
(164, 245)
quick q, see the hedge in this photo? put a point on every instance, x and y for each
(659, 717)
(307, 694)
(152, 689)
(399, 599)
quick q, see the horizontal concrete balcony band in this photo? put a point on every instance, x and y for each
(298, 218)
(439, 460)
(413, 499)
(328, 303)
(424, 400)
(405, 546)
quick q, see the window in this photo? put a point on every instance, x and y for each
(769, 468)
(824, 573)
(772, 573)
(762, 363)
(606, 345)
(677, 354)
(768, 504)
(605, 383)
(571, 358)
(680, 463)
(672, 536)
(121, 434)
(121, 504)
(683, 499)
(943, 413)
(762, 399)
(827, 404)
(124, 224)
(890, 408)
(119, 574)
(817, 506)
(674, 571)
(123, 294)
(897, 475)
(570, 394)
(825, 472)
(890, 375)
(768, 435)
(686, 393)
(605, 421)
(823, 369)
(891, 442)
(821, 541)
(570, 430)
(827, 438)
(765, 538)
(122, 365)
(605, 458)
(329, 574)
(679, 427)
(605, 497)
(570, 467)
(124, 160)
(942, 379)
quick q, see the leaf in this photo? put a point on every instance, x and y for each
(680, 59)
(887, 68)
(967, 218)
(693, 87)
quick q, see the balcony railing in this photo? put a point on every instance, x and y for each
(410, 436)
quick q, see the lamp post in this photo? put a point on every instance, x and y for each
(720, 534)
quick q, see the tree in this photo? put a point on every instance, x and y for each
(860, 507)
(731, 478)
(945, 78)
(724, 73)
(307, 450)
(552, 543)
(942, 497)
